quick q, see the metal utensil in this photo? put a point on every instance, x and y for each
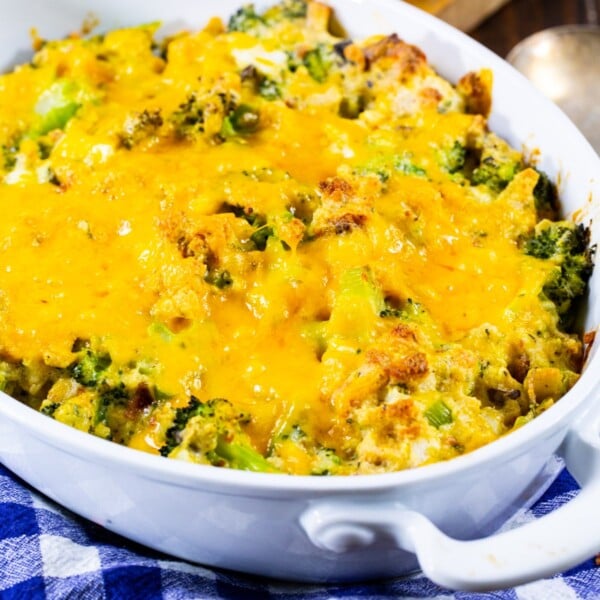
(564, 64)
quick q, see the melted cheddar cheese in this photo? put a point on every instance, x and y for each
(262, 246)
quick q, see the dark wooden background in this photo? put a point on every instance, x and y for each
(520, 18)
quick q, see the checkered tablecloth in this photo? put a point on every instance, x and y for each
(47, 552)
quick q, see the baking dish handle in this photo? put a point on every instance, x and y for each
(540, 548)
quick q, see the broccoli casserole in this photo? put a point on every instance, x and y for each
(268, 247)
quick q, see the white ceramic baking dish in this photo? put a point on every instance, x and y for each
(323, 529)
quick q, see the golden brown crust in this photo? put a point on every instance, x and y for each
(476, 88)
(407, 57)
(336, 188)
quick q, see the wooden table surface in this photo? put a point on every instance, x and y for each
(520, 18)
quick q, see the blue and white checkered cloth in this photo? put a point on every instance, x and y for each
(47, 552)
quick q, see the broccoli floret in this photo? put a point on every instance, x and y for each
(215, 116)
(379, 167)
(260, 237)
(285, 11)
(245, 19)
(566, 245)
(294, 9)
(219, 278)
(211, 433)
(89, 367)
(452, 158)
(110, 397)
(384, 167)
(260, 83)
(294, 439)
(498, 164)
(242, 120)
(403, 164)
(567, 284)
(81, 407)
(119, 409)
(104, 410)
(408, 310)
(557, 239)
(140, 127)
(318, 62)
(269, 89)
(496, 175)
(188, 119)
(175, 433)
(327, 462)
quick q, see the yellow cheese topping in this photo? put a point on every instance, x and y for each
(266, 247)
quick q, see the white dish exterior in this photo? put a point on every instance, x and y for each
(324, 529)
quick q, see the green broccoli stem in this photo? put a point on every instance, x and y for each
(245, 19)
(564, 244)
(438, 414)
(241, 456)
(56, 106)
(89, 367)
